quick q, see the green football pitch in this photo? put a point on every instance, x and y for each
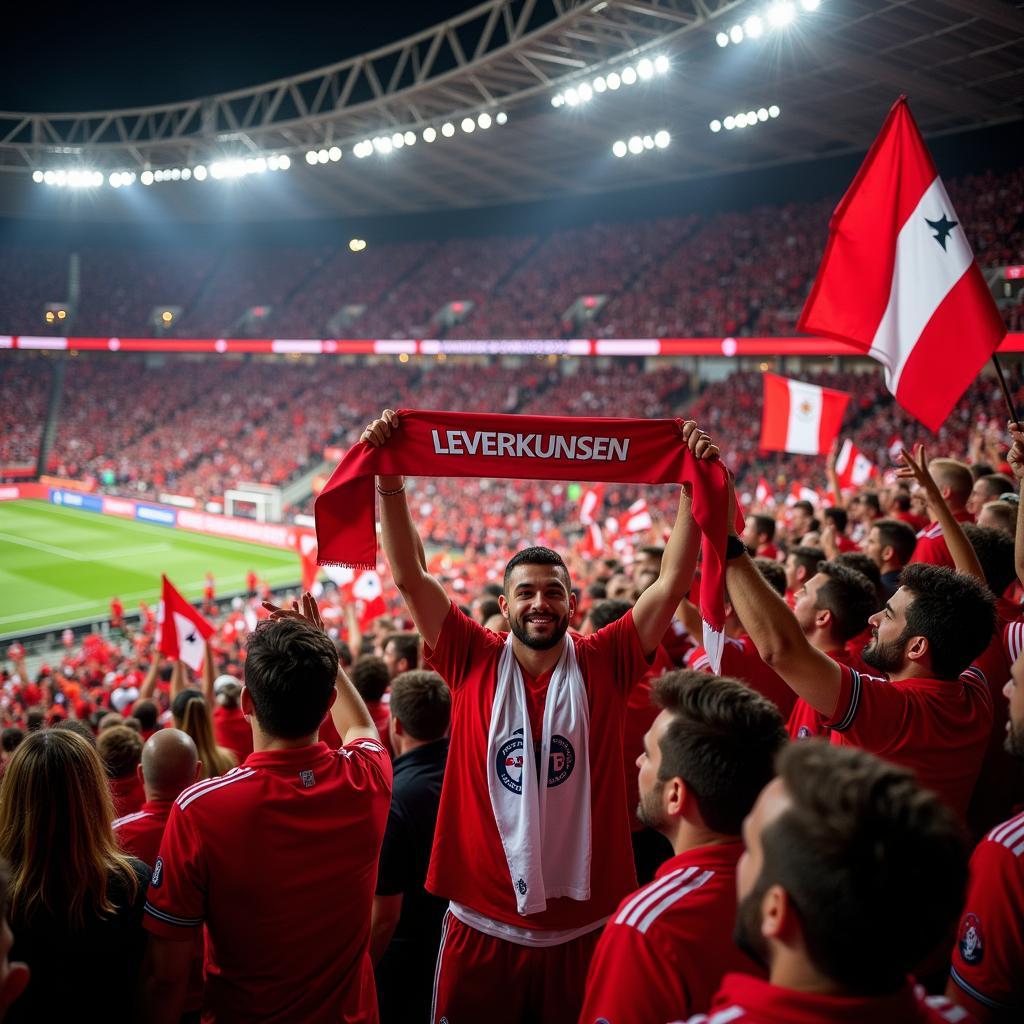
(59, 565)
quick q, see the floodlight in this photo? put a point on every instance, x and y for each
(334, 154)
(557, 100)
(38, 177)
(586, 94)
(722, 39)
(716, 125)
(199, 173)
(501, 117)
(810, 5)
(629, 74)
(398, 140)
(410, 138)
(662, 64)
(50, 177)
(781, 13)
(186, 173)
(729, 123)
(614, 81)
(447, 129)
(773, 111)
(662, 139)
(645, 69)
(762, 114)
(429, 133)
(572, 97)
(636, 145)
(484, 121)
(619, 148)
(600, 85)
(753, 26)
(468, 125)
(736, 33)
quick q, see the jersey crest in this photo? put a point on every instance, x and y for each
(970, 940)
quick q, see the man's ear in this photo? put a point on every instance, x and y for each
(918, 648)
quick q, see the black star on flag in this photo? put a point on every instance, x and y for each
(942, 229)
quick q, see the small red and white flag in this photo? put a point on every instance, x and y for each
(853, 467)
(182, 631)
(800, 418)
(592, 542)
(638, 518)
(590, 504)
(306, 544)
(369, 592)
(898, 278)
(895, 447)
(800, 492)
(763, 493)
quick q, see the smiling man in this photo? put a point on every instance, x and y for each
(532, 846)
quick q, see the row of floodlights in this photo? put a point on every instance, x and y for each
(776, 15)
(745, 119)
(219, 169)
(385, 144)
(639, 143)
(584, 92)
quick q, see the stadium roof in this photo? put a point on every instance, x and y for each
(832, 68)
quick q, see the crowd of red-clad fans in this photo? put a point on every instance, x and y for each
(330, 817)
(712, 275)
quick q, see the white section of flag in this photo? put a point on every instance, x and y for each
(367, 587)
(638, 518)
(191, 645)
(923, 275)
(853, 467)
(803, 429)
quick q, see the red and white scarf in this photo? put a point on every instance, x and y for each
(457, 444)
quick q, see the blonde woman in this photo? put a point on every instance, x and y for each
(75, 900)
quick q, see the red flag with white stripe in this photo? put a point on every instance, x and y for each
(899, 280)
(369, 592)
(306, 543)
(183, 632)
(638, 518)
(590, 504)
(763, 492)
(853, 467)
(592, 543)
(800, 418)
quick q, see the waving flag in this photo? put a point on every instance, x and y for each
(763, 493)
(306, 544)
(899, 280)
(183, 631)
(590, 504)
(800, 418)
(368, 590)
(638, 518)
(853, 467)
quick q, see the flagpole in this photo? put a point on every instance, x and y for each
(1006, 391)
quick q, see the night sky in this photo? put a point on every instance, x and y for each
(62, 56)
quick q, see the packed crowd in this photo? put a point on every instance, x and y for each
(719, 274)
(319, 792)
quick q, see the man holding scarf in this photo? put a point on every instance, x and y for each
(532, 843)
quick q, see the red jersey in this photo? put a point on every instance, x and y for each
(938, 728)
(380, 712)
(845, 543)
(128, 794)
(931, 545)
(804, 721)
(139, 834)
(741, 661)
(988, 959)
(279, 859)
(468, 862)
(232, 731)
(748, 1000)
(668, 946)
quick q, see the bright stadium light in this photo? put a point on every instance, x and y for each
(614, 81)
(447, 129)
(600, 85)
(762, 114)
(629, 75)
(572, 97)
(322, 156)
(810, 5)
(773, 111)
(781, 13)
(199, 172)
(334, 154)
(283, 163)
(636, 145)
(429, 133)
(716, 125)
(468, 125)
(645, 69)
(398, 140)
(753, 27)
(662, 64)
(648, 142)
(736, 34)
(382, 145)
(38, 177)
(410, 138)
(662, 139)
(741, 120)
(619, 148)
(311, 156)
(484, 121)
(722, 38)
(501, 118)
(585, 92)
(50, 177)
(557, 100)
(729, 123)
(186, 172)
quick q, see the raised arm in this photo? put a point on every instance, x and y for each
(777, 635)
(965, 560)
(152, 674)
(655, 607)
(207, 675)
(833, 476)
(425, 598)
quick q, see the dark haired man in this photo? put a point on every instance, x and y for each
(801, 564)
(932, 715)
(759, 536)
(987, 976)
(801, 521)
(836, 523)
(988, 488)
(710, 751)
(851, 877)
(532, 846)
(371, 677)
(406, 926)
(890, 545)
(277, 858)
(402, 653)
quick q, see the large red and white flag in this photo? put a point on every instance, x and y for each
(899, 280)
(369, 592)
(590, 504)
(183, 632)
(800, 418)
(853, 467)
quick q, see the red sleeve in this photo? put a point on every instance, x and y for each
(373, 755)
(176, 901)
(988, 958)
(630, 982)
(615, 650)
(462, 641)
(869, 710)
(933, 551)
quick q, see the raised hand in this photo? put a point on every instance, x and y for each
(378, 432)
(697, 441)
(1015, 456)
(308, 611)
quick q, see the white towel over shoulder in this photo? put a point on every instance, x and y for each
(545, 829)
